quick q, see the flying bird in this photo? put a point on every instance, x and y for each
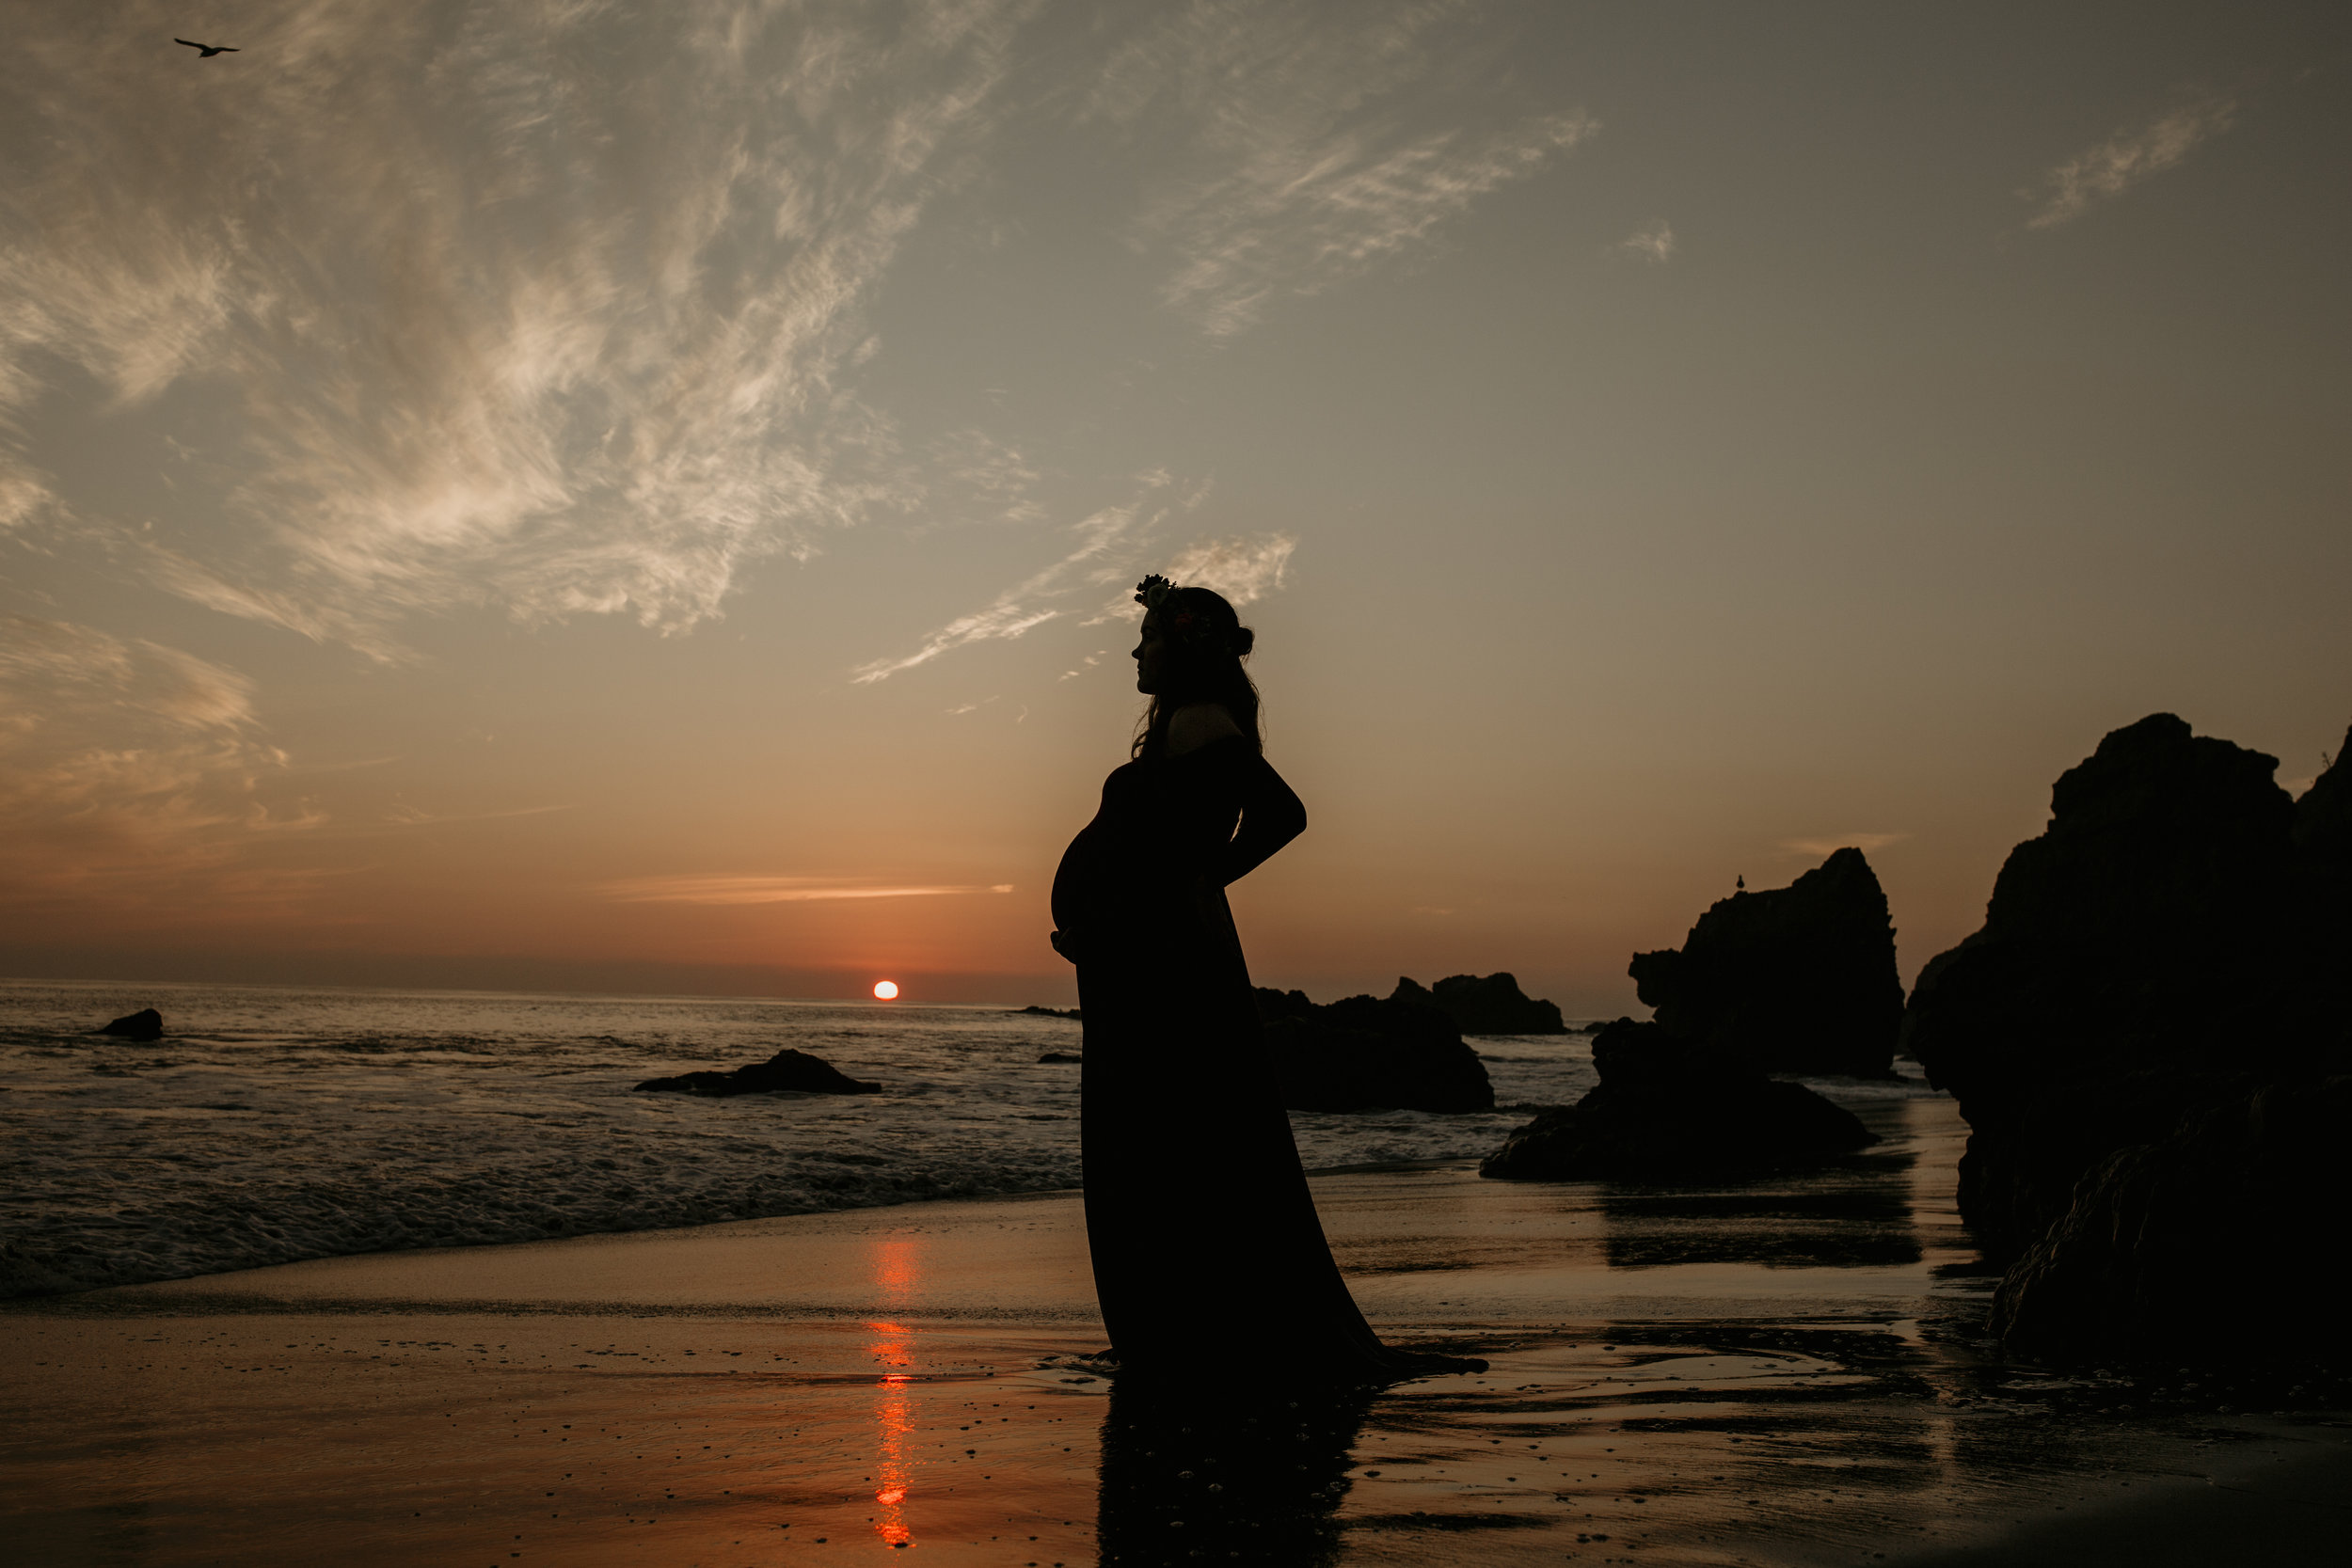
(206, 51)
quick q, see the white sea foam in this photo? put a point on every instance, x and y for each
(275, 1125)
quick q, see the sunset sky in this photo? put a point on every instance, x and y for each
(632, 496)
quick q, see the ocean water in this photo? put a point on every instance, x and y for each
(273, 1125)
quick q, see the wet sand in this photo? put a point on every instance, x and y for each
(1780, 1371)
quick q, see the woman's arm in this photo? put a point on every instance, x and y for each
(1271, 813)
(1271, 816)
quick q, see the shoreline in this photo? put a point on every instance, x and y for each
(1777, 1372)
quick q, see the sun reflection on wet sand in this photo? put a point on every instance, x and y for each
(897, 1273)
(894, 1419)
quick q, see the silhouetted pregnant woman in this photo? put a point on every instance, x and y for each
(1204, 1236)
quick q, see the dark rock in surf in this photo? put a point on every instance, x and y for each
(794, 1070)
(1634, 1052)
(1486, 1005)
(1047, 1012)
(1794, 979)
(2148, 1038)
(145, 1024)
(1368, 1053)
(1668, 1106)
(1652, 1128)
(1063, 1057)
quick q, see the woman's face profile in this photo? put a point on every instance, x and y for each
(1150, 651)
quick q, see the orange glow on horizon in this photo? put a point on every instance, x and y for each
(886, 990)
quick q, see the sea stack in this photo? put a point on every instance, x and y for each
(1795, 979)
(2149, 1037)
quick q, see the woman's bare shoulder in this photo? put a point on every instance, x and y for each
(1197, 724)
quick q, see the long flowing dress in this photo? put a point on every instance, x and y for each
(1204, 1236)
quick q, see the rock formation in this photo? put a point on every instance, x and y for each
(145, 1024)
(1796, 979)
(1486, 1005)
(2211, 1236)
(1364, 1054)
(1667, 1106)
(2142, 1035)
(786, 1069)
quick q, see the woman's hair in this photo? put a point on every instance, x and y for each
(1202, 644)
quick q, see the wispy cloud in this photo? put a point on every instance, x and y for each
(1826, 847)
(1008, 617)
(769, 890)
(1098, 554)
(998, 477)
(560, 307)
(403, 815)
(1111, 549)
(55, 670)
(2124, 160)
(1244, 570)
(1296, 169)
(24, 493)
(553, 305)
(1652, 242)
(121, 759)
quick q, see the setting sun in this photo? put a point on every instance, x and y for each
(886, 990)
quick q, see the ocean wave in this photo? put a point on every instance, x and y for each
(1909, 1082)
(271, 1127)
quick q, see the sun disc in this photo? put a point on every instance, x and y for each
(886, 990)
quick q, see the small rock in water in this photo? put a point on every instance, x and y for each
(145, 1024)
(786, 1069)
(1062, 1056)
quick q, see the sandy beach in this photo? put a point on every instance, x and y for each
(1780, 1371)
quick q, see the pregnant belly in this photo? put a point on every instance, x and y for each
(1078, 880)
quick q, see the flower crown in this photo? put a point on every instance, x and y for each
(1154, 593)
